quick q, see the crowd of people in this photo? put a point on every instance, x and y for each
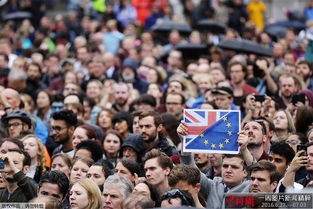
(92, 102)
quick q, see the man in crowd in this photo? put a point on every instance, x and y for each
(157, 166)
(150, 125)
(116, 189)
(63, 124)
(19, 188)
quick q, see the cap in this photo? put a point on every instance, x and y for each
(223, 90)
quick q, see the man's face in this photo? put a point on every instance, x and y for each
(70, 88)
(155, 174)
(53, 190)
(183, 185)
(113, 197)
(175, 87)
(96, 69)
(236, 74)
(215, 159)
(223, 102)
(12, 98)
(280, 163)
(254, 131)
(129, 152)
(174, 105)
(304, 71)
(260, 182)
(6, 146)
(201, 159)
(287, 86)
(82, 54)
(233, 171)
(309, 151)
(17, 159)
(33, 72)
(95, 173)
(121, 94)
(15, 127)
(148, 130)
(60, 131)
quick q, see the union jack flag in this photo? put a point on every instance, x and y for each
(212, 131)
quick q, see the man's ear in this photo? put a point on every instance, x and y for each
(167, 171)
(245, 173)
(273, 185)
(25, 169)
(198, 186)
(71, 129)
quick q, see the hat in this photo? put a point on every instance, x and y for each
(23, 116)
(130, 63)
(223, 90)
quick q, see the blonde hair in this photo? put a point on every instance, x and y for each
(93, 191)
(41, 157)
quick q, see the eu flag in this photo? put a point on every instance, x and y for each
(212, 131)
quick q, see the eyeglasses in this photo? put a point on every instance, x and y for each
(172, 103)
(16, 124)
(174, 193)
(57, 128)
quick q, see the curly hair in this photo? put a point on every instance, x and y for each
(41, 157)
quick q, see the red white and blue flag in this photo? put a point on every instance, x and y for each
(212, 131)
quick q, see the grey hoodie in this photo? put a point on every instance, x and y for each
(214, 190)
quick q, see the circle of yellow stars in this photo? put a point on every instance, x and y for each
(226, 141)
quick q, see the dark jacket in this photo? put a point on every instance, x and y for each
(25, 192)
(165, 147)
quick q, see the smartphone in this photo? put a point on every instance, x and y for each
(298, 98)
(302, 147)
(259, 98)
(1, 164)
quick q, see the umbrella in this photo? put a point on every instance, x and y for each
(276, 31)
(166, 25)
(17, 15)
(211, 26)
(288, 24)
(189, 51)
(246, 46)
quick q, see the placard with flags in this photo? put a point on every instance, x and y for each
(212, 131)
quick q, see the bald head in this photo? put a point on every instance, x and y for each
(13, 98)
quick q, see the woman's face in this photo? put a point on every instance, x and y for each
(105, 120)
(58, 164)
(280, 121)
(95, 173)
(78, 197)
(121, 127)
(93, 90)
(42, 100)
(111, 144)
(293, 140)
(79, 171)
(154, 91)
(31, 147)
(80, 134)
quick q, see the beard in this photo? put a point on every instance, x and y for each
(253, 145)
(150, 139)
(121, 101)
(201, 165)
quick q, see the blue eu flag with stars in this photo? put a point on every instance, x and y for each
(219, 137)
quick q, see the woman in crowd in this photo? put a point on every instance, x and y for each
(36, 150)
(128, 168)
(122, 123)
(104, 119)
(43, 103)
(111, 144)
(83, 133)
(85, 194)
(61, 162)
(80, 168)
(283, 124)
(94, 89)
